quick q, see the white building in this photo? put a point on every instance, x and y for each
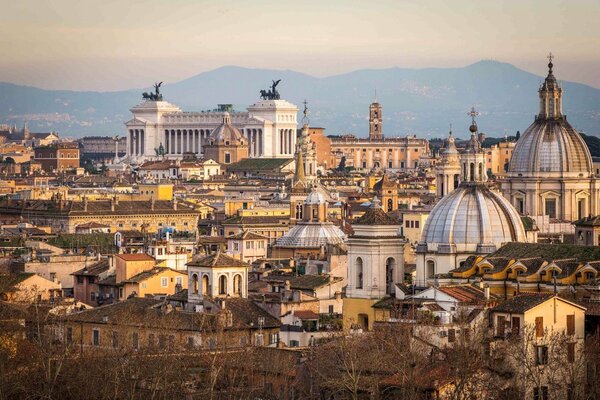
(270, 127)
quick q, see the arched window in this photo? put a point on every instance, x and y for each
(359, 272)
(237, 284)
(205, 286)
(223, 284)
(390, 265)
(472, 171)
(481, 171)
(298, 211)
(195, 283)
(390, 205)
(430, 273)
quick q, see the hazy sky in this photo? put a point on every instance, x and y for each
(116, 44)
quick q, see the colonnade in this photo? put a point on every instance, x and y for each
(137, 139)
(286, 141)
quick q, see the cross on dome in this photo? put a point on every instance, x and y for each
(473, 113)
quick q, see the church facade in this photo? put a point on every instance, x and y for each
(159, 127)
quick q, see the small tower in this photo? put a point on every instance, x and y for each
(217, 275)
(550, 95)
(448, 168)
(375, 118)
(375, 264)
(472, 158)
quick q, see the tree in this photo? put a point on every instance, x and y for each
(342, 166)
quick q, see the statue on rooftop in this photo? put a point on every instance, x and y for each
(272, 93)
(156, 96)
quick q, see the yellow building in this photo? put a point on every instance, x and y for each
(28, 288)
(156, 191)
(498, 157)
(413, 222)
(156, 281)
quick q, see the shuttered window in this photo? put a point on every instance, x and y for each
(539, 326)
(571, 324)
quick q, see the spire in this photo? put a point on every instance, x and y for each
(550, 95)
(299, 176)
(375, 100)
(305, 119)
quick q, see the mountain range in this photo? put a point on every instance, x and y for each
(415, 101)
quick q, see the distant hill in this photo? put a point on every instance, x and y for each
(419, 101)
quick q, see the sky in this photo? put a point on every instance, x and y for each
(114, 44)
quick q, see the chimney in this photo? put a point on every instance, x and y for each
(174, 204)
(486, 291)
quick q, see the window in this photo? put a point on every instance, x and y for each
(571, 352)
(294, 343)
(179, 280)
(540, 393)
(516, 326)
(273, 338)
(260, 341)
(191, 343)
(359, 272)
(541, 355)
(96, 337)
(164, 282)
(115, 339)
(571, 324)
(550, 207)
(69, 335)
(417, 223)
(451, 335)
(79, 280)
(500, 325)
(248, 245)
(222, 284)
(135, 340)
(539, 326)
(331, 309)
(227, 158)
(236, 246)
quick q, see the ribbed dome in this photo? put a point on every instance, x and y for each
(227, 132)
(472, 218)
(551, 145)
(312, 235)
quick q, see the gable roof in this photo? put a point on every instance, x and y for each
(547, 250)
(217, 260)
(526, 301)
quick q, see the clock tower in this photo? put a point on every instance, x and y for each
(375, 119)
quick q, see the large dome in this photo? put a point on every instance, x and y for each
(472, 218)
(551, 146)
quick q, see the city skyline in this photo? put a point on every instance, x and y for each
(111, 47)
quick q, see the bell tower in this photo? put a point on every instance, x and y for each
(375, 118)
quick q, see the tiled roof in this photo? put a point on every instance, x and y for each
(588, 221)
(142, 276)
(217, 260)
(376, 216)
(94, 269)
(464, 293)
(523, 302)
(135, 257)
(303, 282)
(546, 250)
(9, 281)
(247, 235)
(259, 164)
(306, 314)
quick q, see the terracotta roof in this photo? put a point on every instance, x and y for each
(303, 282)
(306, 314)
(94, 269)
(247, 235)
(135, 257)
(217, 260)
(92, 224)
(142, 276)
(464, 293)
(523, 302)
(376, 216)
(588, 221)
